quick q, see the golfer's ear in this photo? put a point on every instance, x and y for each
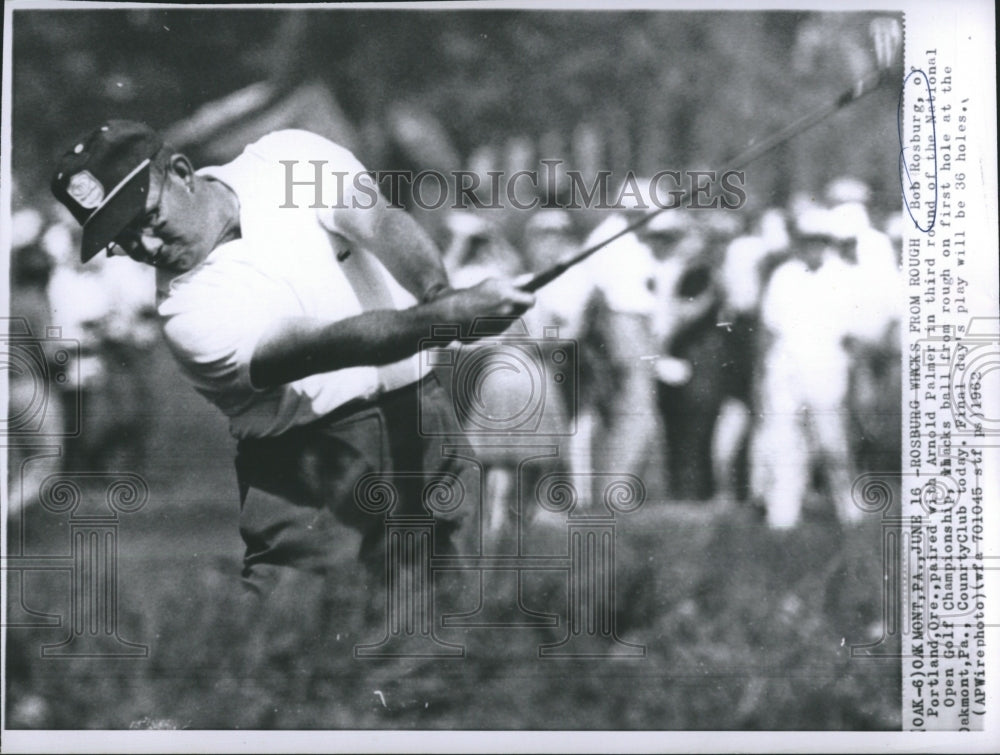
(181, 167)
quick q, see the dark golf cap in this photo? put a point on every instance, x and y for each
(103, 180)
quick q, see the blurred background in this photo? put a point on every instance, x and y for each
(747, 625)
(641, 91)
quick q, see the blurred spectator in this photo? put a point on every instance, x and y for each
(35, 405)
(744, 260)
(894, 232)
(692, 363)
(829, 387)
(718, 227)
(847, 189)
(478, 250)
(874, 402)
(568, 303)
(549, 237)
(878, 277)
(106, 305)
(874, 396)
(747, 263)
(628, 432)
(25, 227)
(806, 313)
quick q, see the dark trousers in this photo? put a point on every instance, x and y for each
(297, 487)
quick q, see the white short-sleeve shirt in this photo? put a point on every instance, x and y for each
(289, 262)
(625, 270)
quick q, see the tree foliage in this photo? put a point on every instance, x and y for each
(661, 89)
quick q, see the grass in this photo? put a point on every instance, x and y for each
(744, 629)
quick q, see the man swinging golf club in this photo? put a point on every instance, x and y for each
(302, 325)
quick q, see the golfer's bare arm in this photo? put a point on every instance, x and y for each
(298, 347)
(398, 241)
(295, 348)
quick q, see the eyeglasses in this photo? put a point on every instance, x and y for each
(129, 241)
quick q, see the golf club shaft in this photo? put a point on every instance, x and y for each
(755, 151)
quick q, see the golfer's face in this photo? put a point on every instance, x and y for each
(165, 236)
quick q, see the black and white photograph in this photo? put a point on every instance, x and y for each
(499, 377)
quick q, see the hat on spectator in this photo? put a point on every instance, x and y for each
(894, 226)
(668, 223)
(640, 195)
(774, 229)
(721, 223)
(25, 227)
(816, 223)
(801, 201)
(103, 180)
(466, 224)
(847, 189)
(549, 221)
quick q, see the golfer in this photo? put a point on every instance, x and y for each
(294, 298)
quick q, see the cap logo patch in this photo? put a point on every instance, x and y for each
(86, 190)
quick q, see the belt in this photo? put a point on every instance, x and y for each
(379, 399)
(291, 462)
(361, 405)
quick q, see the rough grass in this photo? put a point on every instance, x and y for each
(744, 629)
